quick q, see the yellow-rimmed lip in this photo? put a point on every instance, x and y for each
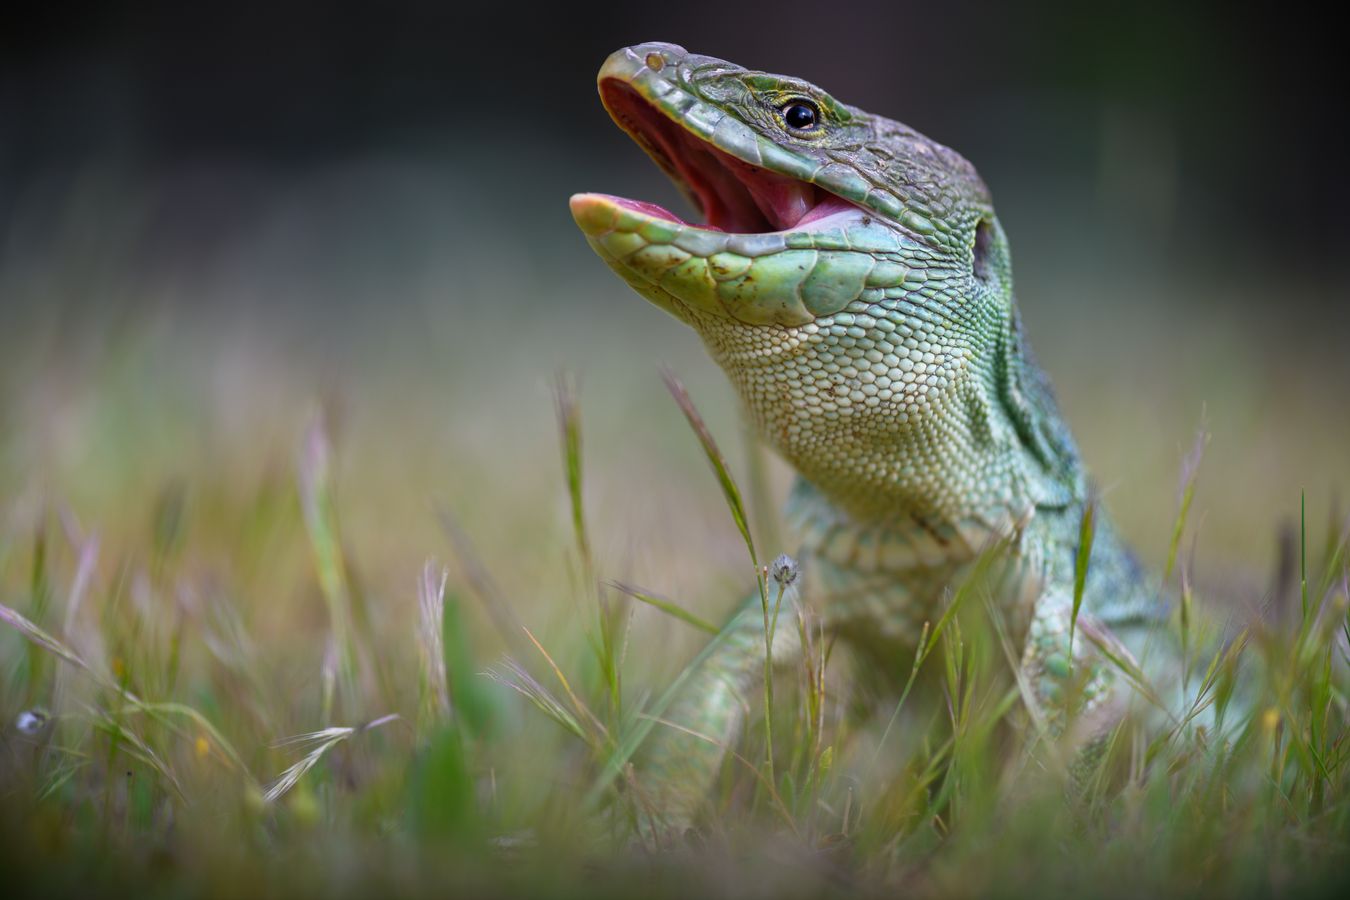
(599, 215)
(773, 278)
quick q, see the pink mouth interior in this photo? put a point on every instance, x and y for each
(651, 209)
(732, 195)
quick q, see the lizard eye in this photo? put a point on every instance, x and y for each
(801, 115)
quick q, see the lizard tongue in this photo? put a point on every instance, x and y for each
(783, 201)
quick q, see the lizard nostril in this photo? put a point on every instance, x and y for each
(655, 61)
(983, 251)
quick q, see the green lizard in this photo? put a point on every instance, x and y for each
(852, 279)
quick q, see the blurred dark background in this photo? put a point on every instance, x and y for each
(1192, 117)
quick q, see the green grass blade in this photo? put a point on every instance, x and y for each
(1303, 553)
(569, 426)
(730, 492)
(666, 606)
(610, 616)
(316, 502)
(1087, 531)
(1190, 469)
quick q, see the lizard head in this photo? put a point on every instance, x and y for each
(848, 273)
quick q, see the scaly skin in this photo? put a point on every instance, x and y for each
(879, 349)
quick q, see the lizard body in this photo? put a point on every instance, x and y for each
(852, 279)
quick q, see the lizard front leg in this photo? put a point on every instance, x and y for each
(1080, 693)
(1069, 680)
(685, 752)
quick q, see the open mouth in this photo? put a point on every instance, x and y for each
(732, 195)
(782, 238)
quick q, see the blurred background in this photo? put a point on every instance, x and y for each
(218, 219)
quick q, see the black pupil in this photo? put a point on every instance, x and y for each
(799, 115)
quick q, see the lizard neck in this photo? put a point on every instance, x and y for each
(897, 543)
(989, 451)
(882, 582)
(890, 575)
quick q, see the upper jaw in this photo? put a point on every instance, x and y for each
(732, 194)
(739, 179)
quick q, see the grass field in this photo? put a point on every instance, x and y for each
(307, 582)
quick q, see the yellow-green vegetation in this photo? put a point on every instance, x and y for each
(286, 613)
(170, 727)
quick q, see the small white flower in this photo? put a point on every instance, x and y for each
(31, 721)
(784, 570)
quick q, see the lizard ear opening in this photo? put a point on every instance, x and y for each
(982, 254)
(983, 250)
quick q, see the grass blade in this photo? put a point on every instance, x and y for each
(666, 606)
(1086, 533)
(431, 643)
(569, 426)
(36, 635)
(518, 679)
(1190, 468)
(482, 584)
(316, 501)
(730, 492)
(580, 707)
(322, 741)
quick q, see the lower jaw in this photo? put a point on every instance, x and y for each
(786, 278)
